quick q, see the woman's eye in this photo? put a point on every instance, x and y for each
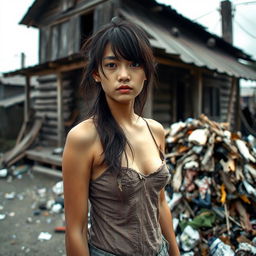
(110, 65)
(135, 65)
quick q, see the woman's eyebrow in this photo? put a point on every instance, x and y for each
(110, 58)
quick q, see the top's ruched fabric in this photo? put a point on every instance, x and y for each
(125, 211)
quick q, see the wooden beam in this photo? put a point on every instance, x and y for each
(77, 65)
(60, 118)
(27, 100)
(231, 100)
(45, 170)
(172, 63)
(198, 94)
(238, 106)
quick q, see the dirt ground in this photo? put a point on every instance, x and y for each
(24, 221)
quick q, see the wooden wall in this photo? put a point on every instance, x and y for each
(61, 37)
(224, 85)
(46, 105)
(175, 99)
(172, 99)
(60, 40)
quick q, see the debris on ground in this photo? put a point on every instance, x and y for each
(46, 202)
(212, 193)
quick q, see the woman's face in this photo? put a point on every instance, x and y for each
(123, 79)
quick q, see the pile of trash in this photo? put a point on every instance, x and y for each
(212, 192)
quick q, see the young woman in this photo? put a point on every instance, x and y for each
(115, 157)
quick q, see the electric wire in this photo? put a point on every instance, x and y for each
(206, 14)
(215, 25)
(246, 31)
(245, 3)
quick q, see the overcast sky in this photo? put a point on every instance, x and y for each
(17, 38)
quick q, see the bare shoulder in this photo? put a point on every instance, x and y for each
(83, 134)
(156, 127)
(79, 150)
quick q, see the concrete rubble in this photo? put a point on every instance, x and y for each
(212, 191)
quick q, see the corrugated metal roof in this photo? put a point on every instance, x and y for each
(190, 49)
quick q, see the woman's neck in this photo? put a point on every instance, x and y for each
(123, 113)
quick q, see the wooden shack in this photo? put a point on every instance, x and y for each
(198, 72)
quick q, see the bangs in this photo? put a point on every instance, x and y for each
(125, 45)
(128, 41)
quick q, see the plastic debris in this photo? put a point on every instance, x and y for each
(56, 208)
(58, 188)
(57, 151)
(42, 192)
(44, 236)
(213, 185)
(2, 216)
(10, 195)
(246, 248)
(218, 248)
(3, 173)
(189, 238)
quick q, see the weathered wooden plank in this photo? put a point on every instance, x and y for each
(67, 4)
(60, 118)
(39, 101)
(50, 107)
(48, 138)
(74, 32)
(24, 144)
(50, 123)
(44, 155)
(54, 42)
(47, 94)
(48, 171)
(49, 130)
(63, 42)
(51, 115)
(52, 85)
(44, 43)
(198, 95)
(27, 100)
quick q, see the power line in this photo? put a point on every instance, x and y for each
(215, 25)
(246, 19)
(245, 3)
(204, 15)
(247, 32)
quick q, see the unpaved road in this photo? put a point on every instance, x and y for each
(20, 229)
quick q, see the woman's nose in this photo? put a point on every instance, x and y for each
(124, 74)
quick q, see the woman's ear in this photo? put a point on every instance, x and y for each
(96, 76)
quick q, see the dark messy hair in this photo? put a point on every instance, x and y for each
(130, 42)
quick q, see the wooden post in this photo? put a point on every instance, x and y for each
(60, 119)
(27, 100)
(198, 94)
(231, 101)
(238, 106)
(174, 99)
(26, 111)
(226, 17)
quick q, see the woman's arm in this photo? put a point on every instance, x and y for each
(165, 217)
(76, 168)
(167, 226)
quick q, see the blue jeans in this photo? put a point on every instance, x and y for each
(94, 251)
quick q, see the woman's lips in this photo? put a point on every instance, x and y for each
(124, 89)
